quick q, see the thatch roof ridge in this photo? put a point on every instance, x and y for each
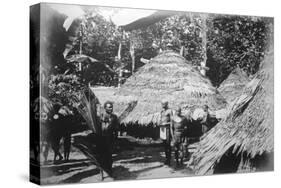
(168, 53)
(167, 76)
(248, 128)
(237, 75)
(232, 86)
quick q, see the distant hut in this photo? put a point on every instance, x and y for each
(232, 86)
(167, 76)
(244, 140)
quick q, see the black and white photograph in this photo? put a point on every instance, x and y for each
(133, 94)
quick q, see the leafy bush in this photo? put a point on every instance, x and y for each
(235, 41)
(65, 89)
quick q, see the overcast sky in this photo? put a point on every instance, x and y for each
(120, 16)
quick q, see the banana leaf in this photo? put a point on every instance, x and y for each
(80, 58)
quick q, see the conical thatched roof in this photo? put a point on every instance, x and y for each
(232, 86)
(248, 128)
(166, 77)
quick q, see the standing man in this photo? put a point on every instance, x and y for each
(165, 130)
(179, 126)
(109, 132)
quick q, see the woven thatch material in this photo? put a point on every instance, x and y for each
(248, 128)
(108, 94)
(232, 86)
(170, 77)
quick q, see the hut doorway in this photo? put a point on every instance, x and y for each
(229, 163)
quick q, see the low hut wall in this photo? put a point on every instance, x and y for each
(140, 131)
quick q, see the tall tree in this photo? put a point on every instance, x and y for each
(204, 43)
(234, 41)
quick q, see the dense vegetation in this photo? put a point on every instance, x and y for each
(222, 41)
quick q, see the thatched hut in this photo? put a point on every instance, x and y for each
(167, 76)
(232, 86)
(244, 140)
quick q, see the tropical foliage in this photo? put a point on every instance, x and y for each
(64, 89)
(231, 41)
(223, 42)
(235, 41)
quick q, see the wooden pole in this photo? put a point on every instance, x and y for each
(204, 43)
(132, 53)
(119, 52)
(182, 51)
(80, 46)
(120, 75)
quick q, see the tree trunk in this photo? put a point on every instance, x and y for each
(120, 76)
(204, 43)
(119, 52)
(182, 51)
(80, 47)
(132, 53)
(120, 73)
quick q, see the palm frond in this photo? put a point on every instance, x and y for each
(87, 107)
(92, 147)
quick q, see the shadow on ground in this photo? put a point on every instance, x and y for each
(132, 160)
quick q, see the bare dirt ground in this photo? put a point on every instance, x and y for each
(131, 161)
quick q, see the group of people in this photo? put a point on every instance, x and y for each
(173, 126)
(56, 127)
(173, 131)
